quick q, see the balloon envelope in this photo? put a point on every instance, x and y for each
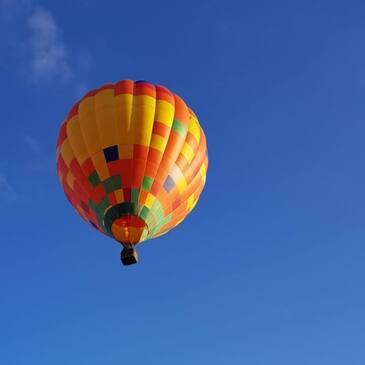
(132, 160)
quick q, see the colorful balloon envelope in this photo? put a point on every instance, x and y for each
(132, 161)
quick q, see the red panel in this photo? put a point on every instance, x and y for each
(87, 188)
(174, 145)
(77, 171)
(142, 197)
(130, 221)
(138, 173)
(106, 87)
(90, 93)
(176, 203)
(144, 88)
(127, 194)
(155, 188)
(181, 111)
(154, 155)
(74, 110)
(124, 87)
(122, 168)
(62, 134)
(151, 169)
(190, 139)
(61, 166)
(98, 194)
(88, 167)
(161, 129)
(112, 198)
(162, 93)
(114, 168)
(140, 152)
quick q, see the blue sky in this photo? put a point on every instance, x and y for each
(269, 267)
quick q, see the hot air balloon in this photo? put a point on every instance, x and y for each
(132, 161)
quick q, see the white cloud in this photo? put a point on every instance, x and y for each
(49, 53)
(31, 39)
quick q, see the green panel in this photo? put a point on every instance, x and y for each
(161, 223)
(135, 195)
(167, 219)
(151, 220)
(100, 218)
(104, 203)
(144, 213)
(92, 205)
(94, 179)
(147, 183)
(157, 210)
(108, 185)
(117, 181)
(180, 128)
(112, 183)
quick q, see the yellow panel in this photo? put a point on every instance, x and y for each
(178, 177)
(149, 200)
(125, 151)
(105, 115)
(76, 140)
(181, 184)
(70, 180)
(123, 110)
(164, 112)
(143, 131)
(66, 152)
(194, 129)
(190, 202)
(187, 152)
(158, 142)
(194, 204)
(88, 125)
(144, 235)
(119, 196)
(100, 165)
(143, 118)
(203, 170)
(145, 100)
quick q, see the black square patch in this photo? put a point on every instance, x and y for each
(111, 153)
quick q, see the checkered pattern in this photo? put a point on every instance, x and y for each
(132, 160)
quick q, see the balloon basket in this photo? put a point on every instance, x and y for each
(129, 256)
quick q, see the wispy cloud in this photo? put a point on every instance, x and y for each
(7, 192)
(34, 37)
(49, 53)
